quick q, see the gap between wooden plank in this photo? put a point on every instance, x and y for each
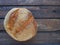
(58, 31)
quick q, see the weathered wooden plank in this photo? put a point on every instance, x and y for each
(48, 24)
(38, 11)
(1, 24)
(29, 2)
(43, 24)
(39, 38)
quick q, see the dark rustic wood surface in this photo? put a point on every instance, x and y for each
(47, 15)
(29, 2)
(41, 11)
(39, 38)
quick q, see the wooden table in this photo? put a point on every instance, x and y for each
(47, 15)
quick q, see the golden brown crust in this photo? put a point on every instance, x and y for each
(12, 19)
(21, 28)
(24, 25)
(35, 24)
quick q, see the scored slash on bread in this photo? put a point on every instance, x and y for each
(20, 24)
(12, 19)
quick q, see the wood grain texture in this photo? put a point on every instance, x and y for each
(48, 26)
(38, 11)
(43, 24)
(39, 38)
(29, 2)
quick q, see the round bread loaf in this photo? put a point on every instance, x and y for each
(20, 24)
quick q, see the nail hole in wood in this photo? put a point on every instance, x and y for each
(54, 11)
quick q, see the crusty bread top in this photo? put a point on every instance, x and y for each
(22, 26)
